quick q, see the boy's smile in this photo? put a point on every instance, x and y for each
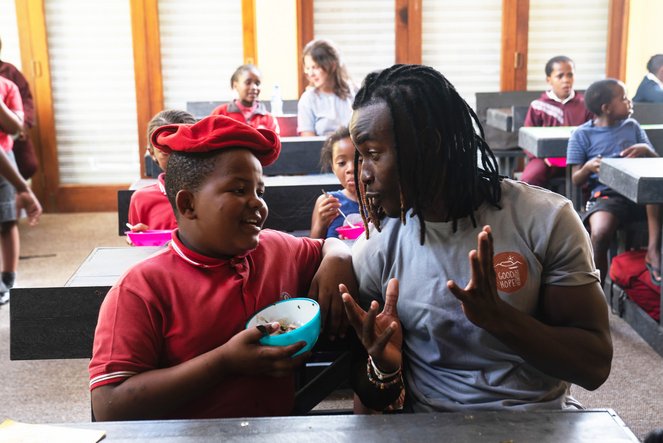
(228, 209)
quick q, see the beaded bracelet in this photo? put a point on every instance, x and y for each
(380, 384)
(382, 375)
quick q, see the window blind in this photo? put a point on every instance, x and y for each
(463, 42)
(364, 33)
(567, 27)
(94, 100)
(201, 46)
(11, 51)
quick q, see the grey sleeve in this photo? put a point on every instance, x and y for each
(569, 260)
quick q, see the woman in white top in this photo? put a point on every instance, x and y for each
(327, 102)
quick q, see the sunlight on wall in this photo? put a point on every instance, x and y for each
(643, 40)
(276, 26)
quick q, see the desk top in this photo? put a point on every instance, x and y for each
(541, 427)
(104, 266)
(638, 179)
(551, 141)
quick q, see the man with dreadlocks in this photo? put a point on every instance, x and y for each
(515, 327)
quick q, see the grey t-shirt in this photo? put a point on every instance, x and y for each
(449, 363)
(322, 112)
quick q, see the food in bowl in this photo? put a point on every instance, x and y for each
(284, 325)
(151, 237)
(299, 319)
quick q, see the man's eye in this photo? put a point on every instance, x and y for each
(239, 191)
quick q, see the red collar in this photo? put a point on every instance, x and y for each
(199, 260)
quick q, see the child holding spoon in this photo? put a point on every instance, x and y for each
(333, 208)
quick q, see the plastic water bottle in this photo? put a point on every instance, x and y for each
(277, 102)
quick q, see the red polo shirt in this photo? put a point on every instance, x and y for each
(150, 205)
(11, 97)
(178, 304)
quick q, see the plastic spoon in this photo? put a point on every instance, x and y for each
(339, 210)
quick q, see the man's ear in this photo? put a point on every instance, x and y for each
(186, 204)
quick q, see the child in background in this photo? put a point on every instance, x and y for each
(171, 339)
(149, 207)
(11, 124)
(651, 87)
(246, 108)
(559, 106)
(327, 103)
(611, 134)
(338, 152)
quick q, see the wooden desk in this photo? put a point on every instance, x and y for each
(59, 322)
(105, 265)
(598, 425)
(640, 180)
(291, 199)
(509, 119)
(299, 155)
(544, 142)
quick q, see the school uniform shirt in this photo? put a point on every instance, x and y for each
(649, 90)
(589, 141)
(178, 304)
(24, 151)
(449, 363)
(322, 112)
(255, 116)
(11, 97)
(550, 110)
(150, 205)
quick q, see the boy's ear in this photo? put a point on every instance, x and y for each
(186, 205)
(605, 107)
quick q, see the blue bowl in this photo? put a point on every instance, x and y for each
(302, 312)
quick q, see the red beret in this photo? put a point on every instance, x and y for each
(217, 132)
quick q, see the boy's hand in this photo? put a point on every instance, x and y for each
(245, 355)
(138, 227)
(594, 165)
(27, 200)
(336, 267)
(381, 333)
(637, 150)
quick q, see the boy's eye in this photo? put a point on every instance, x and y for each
(260, 193)
(341, 164)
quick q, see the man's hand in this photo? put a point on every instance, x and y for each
(381, 333)
(479, 298)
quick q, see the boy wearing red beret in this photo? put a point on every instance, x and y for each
(170, 341)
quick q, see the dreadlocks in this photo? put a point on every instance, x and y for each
(437, 147)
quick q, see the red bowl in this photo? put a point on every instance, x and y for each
(349, 233)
